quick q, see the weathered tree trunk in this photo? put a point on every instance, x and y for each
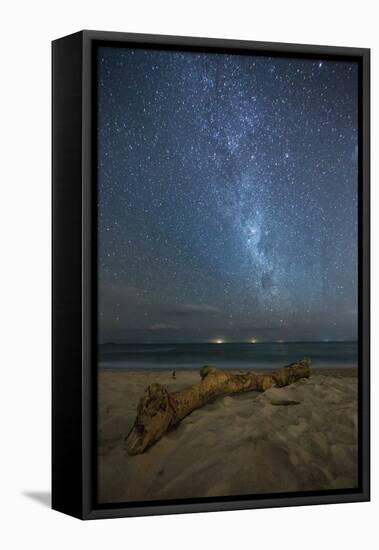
(158, 411)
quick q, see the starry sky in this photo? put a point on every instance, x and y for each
(227, 197)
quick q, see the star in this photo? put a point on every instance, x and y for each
(227, 197)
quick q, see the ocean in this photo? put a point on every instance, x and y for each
(227, 355)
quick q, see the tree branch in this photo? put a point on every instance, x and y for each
(158, 410)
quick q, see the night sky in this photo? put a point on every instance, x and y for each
(227, 197)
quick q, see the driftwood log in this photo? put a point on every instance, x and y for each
(158, 410)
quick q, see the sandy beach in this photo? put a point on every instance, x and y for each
(298, 438)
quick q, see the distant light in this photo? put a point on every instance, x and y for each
(280, 341)
(253, 341)
(218, 341)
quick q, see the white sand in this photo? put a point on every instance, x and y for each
(302, 437)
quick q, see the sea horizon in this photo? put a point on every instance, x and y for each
(238, 355)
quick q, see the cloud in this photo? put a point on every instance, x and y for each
(189, 310)
(110, 294)
(267, 281)
(162, 326)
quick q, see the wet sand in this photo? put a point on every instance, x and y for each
(299, 438)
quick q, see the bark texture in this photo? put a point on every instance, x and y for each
(158, 410)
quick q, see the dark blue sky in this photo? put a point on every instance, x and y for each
(227, 197)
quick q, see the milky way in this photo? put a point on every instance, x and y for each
(227, 191)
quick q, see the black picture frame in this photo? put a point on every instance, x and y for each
(75, 264)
